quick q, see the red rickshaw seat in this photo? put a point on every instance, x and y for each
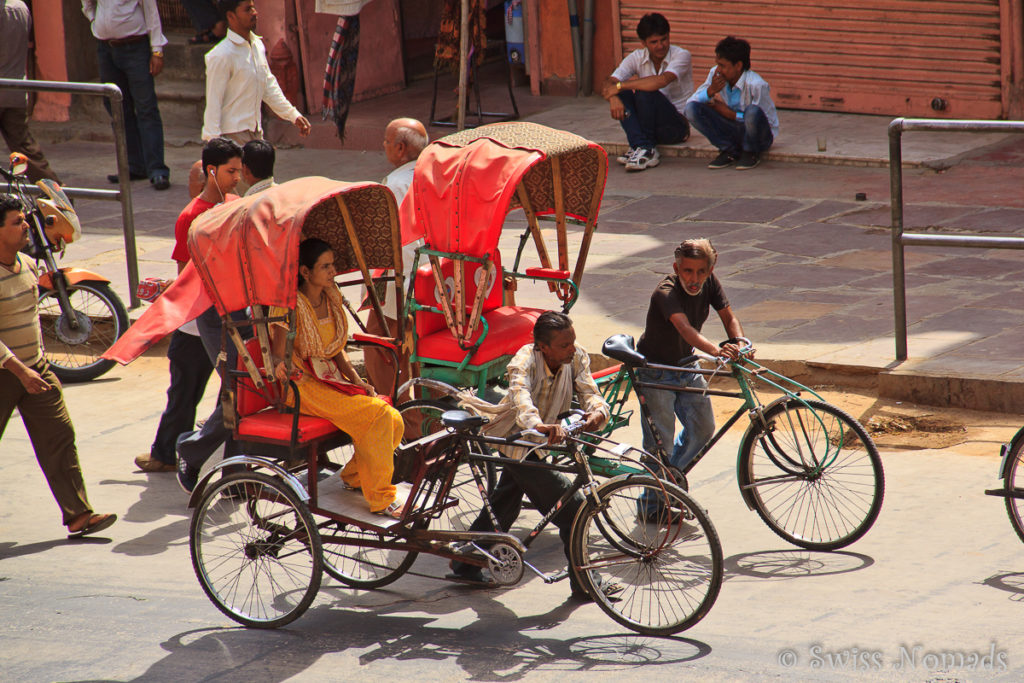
(509, 328)
(257, 417)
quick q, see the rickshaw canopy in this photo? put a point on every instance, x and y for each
(465, 184)
(246, 252)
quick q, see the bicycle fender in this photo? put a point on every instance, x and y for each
(748, 497)
(1005, 450)
(73, 276)
(253, 461)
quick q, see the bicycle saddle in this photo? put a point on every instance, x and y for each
(461, 421)
(621, 348)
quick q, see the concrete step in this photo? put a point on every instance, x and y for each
(183, 61)
(181, 102)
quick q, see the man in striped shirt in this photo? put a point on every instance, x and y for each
(26, 382)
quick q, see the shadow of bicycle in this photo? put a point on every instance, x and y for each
(1011, 582)
(488, 650)
(795, 563)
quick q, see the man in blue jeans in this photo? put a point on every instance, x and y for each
(679, 307)
(647, 94)
(733, 109)
(130, 48)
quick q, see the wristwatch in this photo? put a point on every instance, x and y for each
(618, 85)
(157, 52)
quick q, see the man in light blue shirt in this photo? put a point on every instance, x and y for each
(733, 109)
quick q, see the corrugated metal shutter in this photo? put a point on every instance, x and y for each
(864, 56)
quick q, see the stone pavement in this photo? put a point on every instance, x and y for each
(805, 265)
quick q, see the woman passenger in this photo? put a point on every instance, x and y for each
(329, 386)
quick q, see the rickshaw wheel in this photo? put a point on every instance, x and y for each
(256, 550)
(423, 417)
(362, 566)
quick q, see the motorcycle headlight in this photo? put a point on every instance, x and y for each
(61, 220)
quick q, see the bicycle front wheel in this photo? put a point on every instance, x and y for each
(256, 550)
(656, 574)
(813, 474)
(1015, 480)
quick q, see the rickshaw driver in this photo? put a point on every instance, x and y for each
(679, 308)
(542, 377)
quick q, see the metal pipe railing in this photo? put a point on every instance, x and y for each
(124, 193)
(901, 239)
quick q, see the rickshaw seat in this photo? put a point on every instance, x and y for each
(509, 327)
(257, 417)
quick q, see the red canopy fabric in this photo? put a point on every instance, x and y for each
(246, 252)
(460, 195)
(185, 299)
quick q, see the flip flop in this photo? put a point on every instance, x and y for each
(95, 523)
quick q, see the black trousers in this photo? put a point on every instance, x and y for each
(544, 488)
(190, 369)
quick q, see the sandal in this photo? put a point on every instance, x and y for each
(393, 511)
(93, 524)
(203, 37)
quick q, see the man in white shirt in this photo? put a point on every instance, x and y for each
(238, 79)
(404, 139)
(647, 94)
(130, 49)
(733, 109)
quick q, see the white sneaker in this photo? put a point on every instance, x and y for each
(643, 159)
(624, 158)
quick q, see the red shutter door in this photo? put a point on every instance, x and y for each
(891, 57)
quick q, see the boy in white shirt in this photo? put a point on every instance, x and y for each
(648, 92)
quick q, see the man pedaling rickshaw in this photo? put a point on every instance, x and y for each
(542, 378)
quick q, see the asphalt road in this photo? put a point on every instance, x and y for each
(941, 573)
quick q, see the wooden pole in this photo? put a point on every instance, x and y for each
(463, 64)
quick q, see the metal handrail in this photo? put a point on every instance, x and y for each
(124, 193)
(901, 239)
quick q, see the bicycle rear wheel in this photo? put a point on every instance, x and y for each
(812, 473)
(255, 550)
(668, 569)
(423, 417)
(1015, 480)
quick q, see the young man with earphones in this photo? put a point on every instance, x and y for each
(190, 366)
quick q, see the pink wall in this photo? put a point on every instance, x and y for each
(51, 61)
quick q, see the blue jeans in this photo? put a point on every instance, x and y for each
(693, 410)
(127, 67)
(651, 119)
(752, 134)
(196, 447)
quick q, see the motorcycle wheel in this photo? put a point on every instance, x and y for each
(76, 355)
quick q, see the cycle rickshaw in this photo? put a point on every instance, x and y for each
(262, 533)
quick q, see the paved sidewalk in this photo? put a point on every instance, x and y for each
(805, 265)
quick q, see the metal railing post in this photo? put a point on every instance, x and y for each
(124, 194)
(899, 292)
(901, 239)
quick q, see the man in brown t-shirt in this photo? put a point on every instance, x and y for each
(679, 307)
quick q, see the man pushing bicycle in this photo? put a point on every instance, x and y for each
(678, 310)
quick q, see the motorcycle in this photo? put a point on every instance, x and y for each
(80, 315)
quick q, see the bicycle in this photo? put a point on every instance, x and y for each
(809, 469)
(1011, 471)
(668, 567)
